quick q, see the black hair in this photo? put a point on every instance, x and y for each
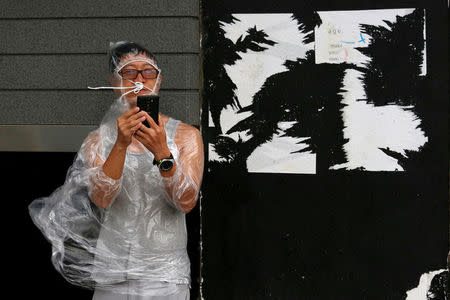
(122, 49)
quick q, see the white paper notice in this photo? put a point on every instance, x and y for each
(339, 34)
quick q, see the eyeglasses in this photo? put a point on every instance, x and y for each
(133, 73)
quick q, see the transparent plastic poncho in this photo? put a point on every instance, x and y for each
(141, 235)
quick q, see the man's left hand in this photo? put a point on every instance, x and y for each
(153, 138)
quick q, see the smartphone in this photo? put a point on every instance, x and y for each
(150, 104)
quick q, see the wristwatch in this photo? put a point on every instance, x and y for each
(165, 164)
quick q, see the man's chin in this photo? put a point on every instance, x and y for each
(143, 92)
(132, 97)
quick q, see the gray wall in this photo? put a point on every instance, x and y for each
(51, 50)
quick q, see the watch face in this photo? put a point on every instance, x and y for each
(166, 165)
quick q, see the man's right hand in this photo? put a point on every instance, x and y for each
(127, 124)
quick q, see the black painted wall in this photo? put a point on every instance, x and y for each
(335, 234)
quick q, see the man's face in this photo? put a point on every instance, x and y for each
(144, 72)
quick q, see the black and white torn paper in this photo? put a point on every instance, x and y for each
(340, 92)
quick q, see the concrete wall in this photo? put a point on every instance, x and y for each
(51, 50)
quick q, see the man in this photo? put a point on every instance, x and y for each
(143, 181)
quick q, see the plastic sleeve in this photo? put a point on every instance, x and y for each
(101, 188)
(184, 185)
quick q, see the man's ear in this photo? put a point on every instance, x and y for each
(112, 80)
(159, 84)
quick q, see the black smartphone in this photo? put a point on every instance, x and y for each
(150, 104)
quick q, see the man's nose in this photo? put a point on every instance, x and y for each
(140, 77)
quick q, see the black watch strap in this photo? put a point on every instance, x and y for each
(158, 162)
